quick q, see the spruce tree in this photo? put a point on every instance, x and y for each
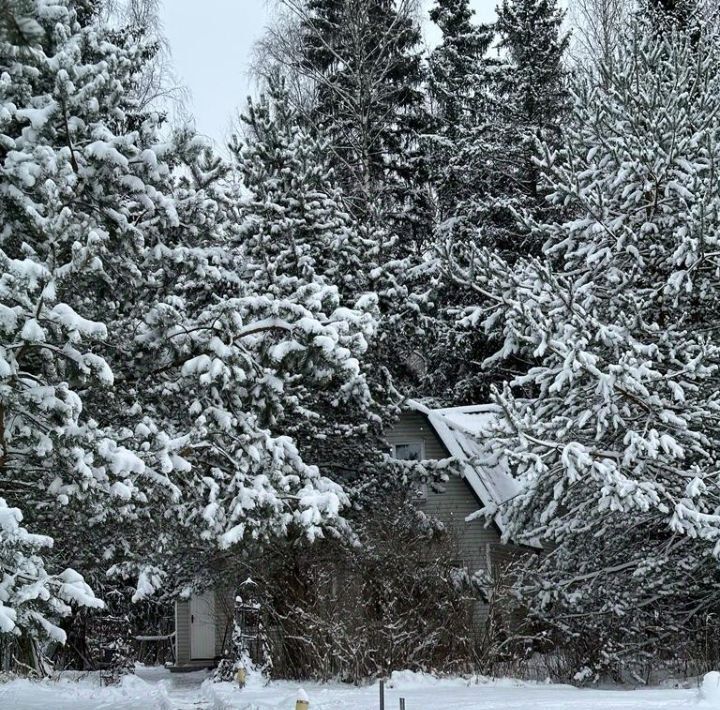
(456, 65)
(364, 58)
(459, 75)
(460, 79)
(524, 101)
(531, 105)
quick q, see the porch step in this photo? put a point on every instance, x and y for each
(189, 666)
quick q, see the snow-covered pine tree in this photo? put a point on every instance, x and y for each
(614, 428)
(315, 240)
(248, 339)
(63, 167)
(143, 366)
(31, 599)
(293, 196)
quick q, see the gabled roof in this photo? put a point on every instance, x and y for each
(465, 431)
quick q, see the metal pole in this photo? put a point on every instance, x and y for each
(382, 695)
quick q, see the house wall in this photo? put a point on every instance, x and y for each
(478, 547)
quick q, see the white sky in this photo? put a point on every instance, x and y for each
(211, 42)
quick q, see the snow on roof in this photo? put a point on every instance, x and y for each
(466, 431)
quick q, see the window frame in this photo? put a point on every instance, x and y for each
(411, 442)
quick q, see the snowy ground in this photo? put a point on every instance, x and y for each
(155, 688)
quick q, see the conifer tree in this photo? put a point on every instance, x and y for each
(459, 80)
(531, 103)
(294, 196)
(315, 240)
(142, 367)
(524, 102)
(456, 65)
(65, 236)
(32, 600)
(364, 59)
(613, 428)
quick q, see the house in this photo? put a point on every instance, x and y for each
(485, 480)
(204, 621)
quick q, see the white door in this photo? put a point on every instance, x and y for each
(202, 625)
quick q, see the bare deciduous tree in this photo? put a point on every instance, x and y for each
(159, 86)
(597, 26)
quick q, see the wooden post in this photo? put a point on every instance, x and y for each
(382, 695)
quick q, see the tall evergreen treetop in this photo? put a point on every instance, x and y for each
(364, 58)
(294, 195)
(457, 67)
(535, 82)
(459, 78)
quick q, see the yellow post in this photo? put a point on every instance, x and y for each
(303, 702)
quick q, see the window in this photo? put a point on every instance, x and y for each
(410, 451)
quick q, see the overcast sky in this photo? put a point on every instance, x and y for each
(211, 42)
